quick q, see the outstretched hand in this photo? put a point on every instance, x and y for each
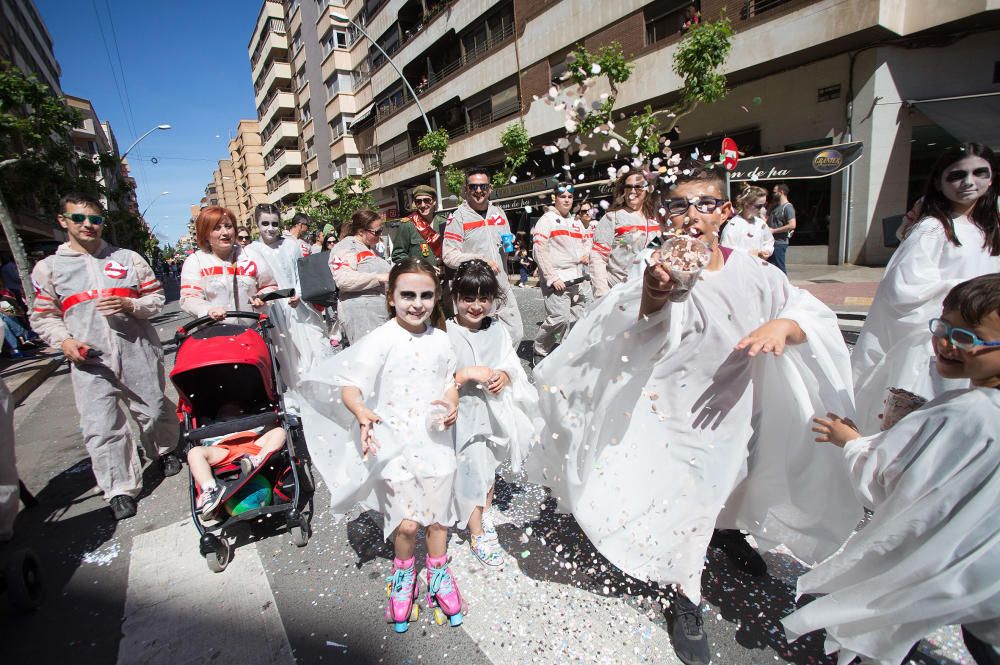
(836, 430)
(367, 419)
(772, 337)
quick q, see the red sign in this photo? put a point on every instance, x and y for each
(730, 154)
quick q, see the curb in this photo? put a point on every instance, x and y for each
(28, 386)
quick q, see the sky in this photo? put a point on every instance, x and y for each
(184, 63)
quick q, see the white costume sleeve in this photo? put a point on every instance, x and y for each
(930, 556)
(192, 298)
(151, 297)
(46, 317)
(600, 250)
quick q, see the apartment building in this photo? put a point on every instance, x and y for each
(25, 42)
(221, 190)
(275, 99)
(246, 153)
(905, 77)
(93, 138)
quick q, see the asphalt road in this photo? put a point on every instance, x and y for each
(139, 592)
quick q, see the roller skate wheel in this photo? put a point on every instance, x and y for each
(415, 612)
(439, 616)
(401, 626)
(455, 620)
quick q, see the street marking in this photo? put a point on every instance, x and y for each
(177, 611)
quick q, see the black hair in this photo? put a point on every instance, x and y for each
(80, 199)
(408, 266)
(984, 214)
(696, 170)
(476, 279)
(301, 218)
(265, 209)
(476, 170)
(975, 299)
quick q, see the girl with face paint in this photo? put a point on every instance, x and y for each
(956, 238)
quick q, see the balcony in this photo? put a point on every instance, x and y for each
(273, 45)
(278, 75)
(285, 132)
(283, 160)
(271, 19)
(285, 189)
(279, 100)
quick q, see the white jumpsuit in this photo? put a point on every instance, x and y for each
(207, 282)
(619, 238)
(299, 333)
(468, 235)
(752, 236)
(361, 304)
(130, 368)
(559, 244)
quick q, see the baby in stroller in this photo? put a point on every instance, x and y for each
(248, 450)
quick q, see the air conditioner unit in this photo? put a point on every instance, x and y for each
(336, 174)
(357, 170)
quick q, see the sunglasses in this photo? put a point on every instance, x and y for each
(700, 203)
(635, 187)
(476, 187)
(957, 175)
(79, 218)
(959, 337)
(376, 232)
(243, 237)
(423, 201)
(330, 242)
(563, 189)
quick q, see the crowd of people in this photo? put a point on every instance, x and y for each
(685, 395)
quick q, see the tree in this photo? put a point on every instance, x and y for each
(697, 60)
(36, 155)
(348, 196)
(516, 143)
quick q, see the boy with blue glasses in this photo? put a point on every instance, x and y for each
(930, 556)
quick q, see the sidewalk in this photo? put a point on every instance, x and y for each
(23, 375)
(845, 288)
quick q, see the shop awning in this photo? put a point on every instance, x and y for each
(969, 118)
(819, 162)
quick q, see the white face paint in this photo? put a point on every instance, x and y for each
(269, 226)
(966, 180)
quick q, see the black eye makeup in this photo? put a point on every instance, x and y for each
(982, 173)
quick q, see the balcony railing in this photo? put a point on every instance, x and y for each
(273, 157)
(266, 104)
(263, 78)
(275, 25)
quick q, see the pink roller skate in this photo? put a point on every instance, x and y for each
(401, 588)
(442, 592)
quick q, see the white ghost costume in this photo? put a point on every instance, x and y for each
(299, 332)
(399, 374)
(894, 348)
(930, 556)
(656, 432)
(491, 429)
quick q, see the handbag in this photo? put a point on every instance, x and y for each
(316, 283)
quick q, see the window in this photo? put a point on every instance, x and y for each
(664, 18)
(310, 149)
(306, 114)
(334, 39)
(299, 80)
(337, 83)
(297, 41)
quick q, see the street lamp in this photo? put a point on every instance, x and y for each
(136, 142)
(143, 213)
(344, 20)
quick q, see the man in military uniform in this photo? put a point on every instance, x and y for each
(420, 234)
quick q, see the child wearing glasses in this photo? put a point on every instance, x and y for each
(94, 301)
(748, 231)
(667, 417)
(957, 238)
(930, 556)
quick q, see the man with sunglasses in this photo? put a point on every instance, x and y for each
(475, 231)
(420, 234)
(94, 301)
(561, 251)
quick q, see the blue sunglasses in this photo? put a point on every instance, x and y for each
(959, 337)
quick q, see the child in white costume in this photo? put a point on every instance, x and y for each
(930, 556)
(497, 405)
(397, 383)
(957, 238)
(667, 419)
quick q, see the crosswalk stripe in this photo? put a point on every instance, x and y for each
(177, 611)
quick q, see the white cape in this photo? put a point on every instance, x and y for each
(299, 332)
(648, 425)
(491, 429)
(930, 556)
(399, 375)
(894, 348)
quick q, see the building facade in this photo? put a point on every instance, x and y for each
(904, 77)
(25, 42)
(246, 155)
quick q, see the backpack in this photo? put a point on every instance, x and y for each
(316, 284)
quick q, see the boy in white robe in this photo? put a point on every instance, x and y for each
(666, 419)
(930, 556)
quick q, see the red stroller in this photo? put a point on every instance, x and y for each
(217, 364)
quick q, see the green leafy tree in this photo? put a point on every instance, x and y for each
(516, 143)
(36, 156)
(437, 143)
(454, 178)
(348, 196)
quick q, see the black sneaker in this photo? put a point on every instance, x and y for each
(687, 632)
(123, 507)
(170, 464)
(209, 499)
(734, 545)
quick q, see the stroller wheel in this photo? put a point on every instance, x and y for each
(300, 532)
(218, 559)
(23, 576)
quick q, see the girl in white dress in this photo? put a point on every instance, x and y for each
(957, 238)
(496, 408)
(375, 417)
(748, 231)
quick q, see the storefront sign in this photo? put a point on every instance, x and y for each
(817, 162)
